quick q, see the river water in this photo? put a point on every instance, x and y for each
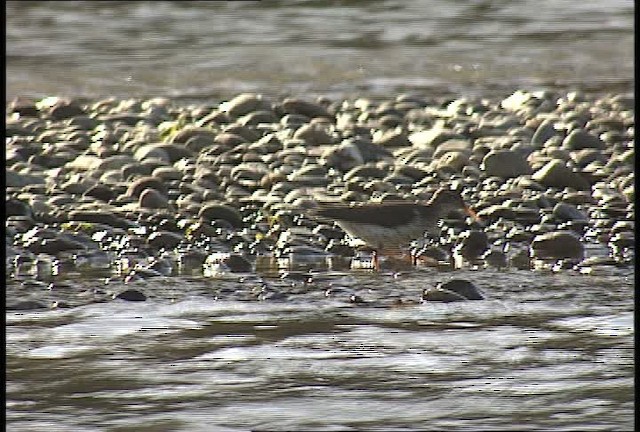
(209, 49)
(546, 350)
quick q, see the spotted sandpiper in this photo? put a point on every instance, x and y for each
(387, 226)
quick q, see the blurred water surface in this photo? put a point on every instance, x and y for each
(543, 352)
(207, 49)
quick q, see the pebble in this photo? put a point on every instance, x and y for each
(556, 174)
(130, 295)
(557, 245)
(453, 290)
(505, 164)
(541, 169)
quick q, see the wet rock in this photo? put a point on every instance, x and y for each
(496, 258)
(453, 290)
(24, 305)
(53, 246)
(164, 240)
(131, 295)
(471, 244)
(238, 264)
(356, 299)
(557, 245)
(520, 260)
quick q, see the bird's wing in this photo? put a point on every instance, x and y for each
(384, 215)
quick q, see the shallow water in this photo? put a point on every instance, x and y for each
(544, 351)
(205, 50)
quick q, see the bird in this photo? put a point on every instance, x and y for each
(390, 225)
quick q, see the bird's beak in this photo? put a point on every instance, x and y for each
(473, 214)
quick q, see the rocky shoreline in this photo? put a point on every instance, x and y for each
(135, 189)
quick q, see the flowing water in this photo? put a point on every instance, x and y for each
(546, 350)
(205, 49)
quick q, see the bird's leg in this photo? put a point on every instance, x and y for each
(376, 261)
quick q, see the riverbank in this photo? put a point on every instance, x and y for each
(135, 189)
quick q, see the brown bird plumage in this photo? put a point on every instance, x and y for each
(393, 224)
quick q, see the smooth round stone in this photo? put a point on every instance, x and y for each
(544, 132)
(313, 135)
(505, 164)
(557, 245)
(149, 182)
(580, 139)
(237, 264)
(471, 244)
(151, 198)
(101, 192)
(496, 258)
(64, 109)
(305, 108)
(556, 174)
(247, 132)
(255, 118)
(213, 211)
(294, 120)
(453, 145)
(453, 161)
(568, 212)
(453, 290)
(393, 138)
(391, 120)
(152, 151)
(15, 207)
(130, 295)
(189, 132)
(245, 103)
(20, 180)
(214, 118)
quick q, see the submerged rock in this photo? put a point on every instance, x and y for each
(453, 290)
